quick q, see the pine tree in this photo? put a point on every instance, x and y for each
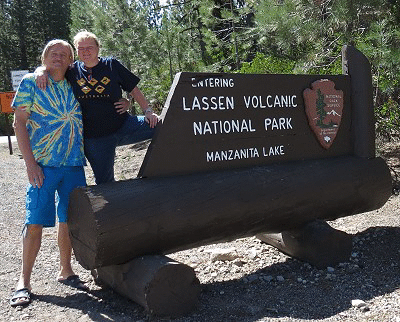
(313, 32)
(228, 33)
(7, 49)
(320, 105)
(26, 26)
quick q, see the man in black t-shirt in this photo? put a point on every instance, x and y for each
(98, 83)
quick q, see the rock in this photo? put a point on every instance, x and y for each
(238, 262)
(220, 254)
(268, 278)
(252, 278)
(358, 303)
(252, 253)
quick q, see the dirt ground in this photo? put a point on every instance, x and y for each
(265, 286)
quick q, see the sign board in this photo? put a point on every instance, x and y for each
(6, 99)
(225, 121)
(16, 77)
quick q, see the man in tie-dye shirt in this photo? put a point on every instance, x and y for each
(48, 126)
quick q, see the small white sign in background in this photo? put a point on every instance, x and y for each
(16, 77)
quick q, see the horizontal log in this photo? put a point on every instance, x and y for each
(114, 223)
(316, 243)
(158, 283)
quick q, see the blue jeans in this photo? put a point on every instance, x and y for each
(100, 152)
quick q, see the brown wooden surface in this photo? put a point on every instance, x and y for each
(176, 149)
(114, 223)
(158, 283)
(357, 66)
(316, 243)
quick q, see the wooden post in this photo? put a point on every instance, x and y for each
(10, 148)
(355, 64)
(158, 283)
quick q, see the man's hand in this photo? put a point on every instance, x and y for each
(35, 174)
(41, 77)
(151, 118)
(122, 105)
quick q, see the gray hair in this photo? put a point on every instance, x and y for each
(54, 42)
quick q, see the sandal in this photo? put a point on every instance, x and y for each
(75, 282)
(21, 297)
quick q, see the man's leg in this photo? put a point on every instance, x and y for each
(72, 177)
(31, 240)
(64, 245)
(40, 211)
(135, 129)
(100, 153)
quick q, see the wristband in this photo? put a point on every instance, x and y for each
(148, 110)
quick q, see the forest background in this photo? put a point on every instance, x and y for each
(157, 39)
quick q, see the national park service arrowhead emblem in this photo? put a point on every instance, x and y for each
(324, 107)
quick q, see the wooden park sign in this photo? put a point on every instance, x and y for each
(233, 156)
(225, 121)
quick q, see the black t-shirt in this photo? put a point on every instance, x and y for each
(97, 89)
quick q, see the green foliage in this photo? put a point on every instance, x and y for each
(81, 16)
(247, 36)
(261, 36)
(6, 121)
(388, 118)
(6, 48)
(26, 26)
(262, 64)
(381, 45)
(228, 34)
(313, 32)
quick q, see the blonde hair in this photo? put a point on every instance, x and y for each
(84, 34)
(54, 42)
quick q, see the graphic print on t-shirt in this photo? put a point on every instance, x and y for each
(94, 87)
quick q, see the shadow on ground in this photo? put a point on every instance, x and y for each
(372, 271)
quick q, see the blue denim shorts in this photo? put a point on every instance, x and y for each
(44, 203)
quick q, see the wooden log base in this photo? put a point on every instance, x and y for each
(316, 243)
(113, 223)
(164, 287)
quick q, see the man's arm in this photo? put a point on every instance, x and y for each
(41, 77)
(150, 116)
(34, 171)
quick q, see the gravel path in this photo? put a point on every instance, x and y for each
(254, 282)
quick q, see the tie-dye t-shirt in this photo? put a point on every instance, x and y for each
(55, 122)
